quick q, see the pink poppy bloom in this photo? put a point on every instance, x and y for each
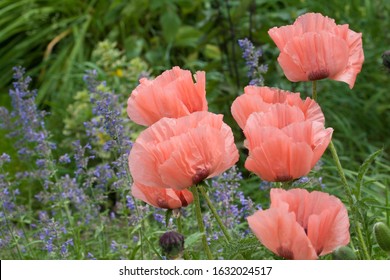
(173, 94)
(283, 145)
(285, 135)
(261, 99)
(161, 197)
(300, 225)
(314, 47)
(180, 153)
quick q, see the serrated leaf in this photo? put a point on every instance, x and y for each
(363, 169)
(192, 239)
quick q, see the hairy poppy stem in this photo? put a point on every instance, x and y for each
(347, 188)
(178, 223)
(351, 200)
(314, 91)
(215, 213)
(200, 222)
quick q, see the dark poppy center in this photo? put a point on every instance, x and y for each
(285, 178)
(200, 175)
(183, 200)
(162, 203)
(285, 253)
(318, 75)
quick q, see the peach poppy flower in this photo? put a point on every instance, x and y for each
(261, 99)
(301, 225)
(161, 197)
(180, 153)
(315, 48)
(283, 145)
(173, 94)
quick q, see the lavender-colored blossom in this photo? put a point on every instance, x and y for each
(313, 180)
(52, 233)
(231, 203)
(65, 247)
(64, 159)
(159, 218)
(130, 203)
(252, 55)
(26, 120)
(265, 185)
(106, 105)
(90, 256)
(81, 158)
(114, 246)
(4, 158)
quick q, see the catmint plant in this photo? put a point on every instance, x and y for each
(252, 56)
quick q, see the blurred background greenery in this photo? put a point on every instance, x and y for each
(57, 41)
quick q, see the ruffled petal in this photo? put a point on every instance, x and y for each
(172, 94)
(314, 56)
(323, 217)
(161, 197)
(273, 156)
(277, 230)
(328, 223)
(178, 153)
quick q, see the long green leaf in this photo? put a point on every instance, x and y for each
(363, 169)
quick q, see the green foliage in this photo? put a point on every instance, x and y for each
(247, 248)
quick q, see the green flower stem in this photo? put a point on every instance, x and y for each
(314, 91)
(215, 213)
(178, 223)
(351, 200)
(200, 222)
(180, 230)
(12, 233)
(347, 188)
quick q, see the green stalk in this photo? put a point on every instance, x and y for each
(200, 222)
(215, 213)
(347, 188)
(12, 233)
(314, 91)
(178, 223)
(351, 200)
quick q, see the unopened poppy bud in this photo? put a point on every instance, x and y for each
(382, 236)
(172, 244)
(386, 59)
(344, 253)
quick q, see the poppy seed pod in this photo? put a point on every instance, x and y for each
(172, 244)
(382, 236)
